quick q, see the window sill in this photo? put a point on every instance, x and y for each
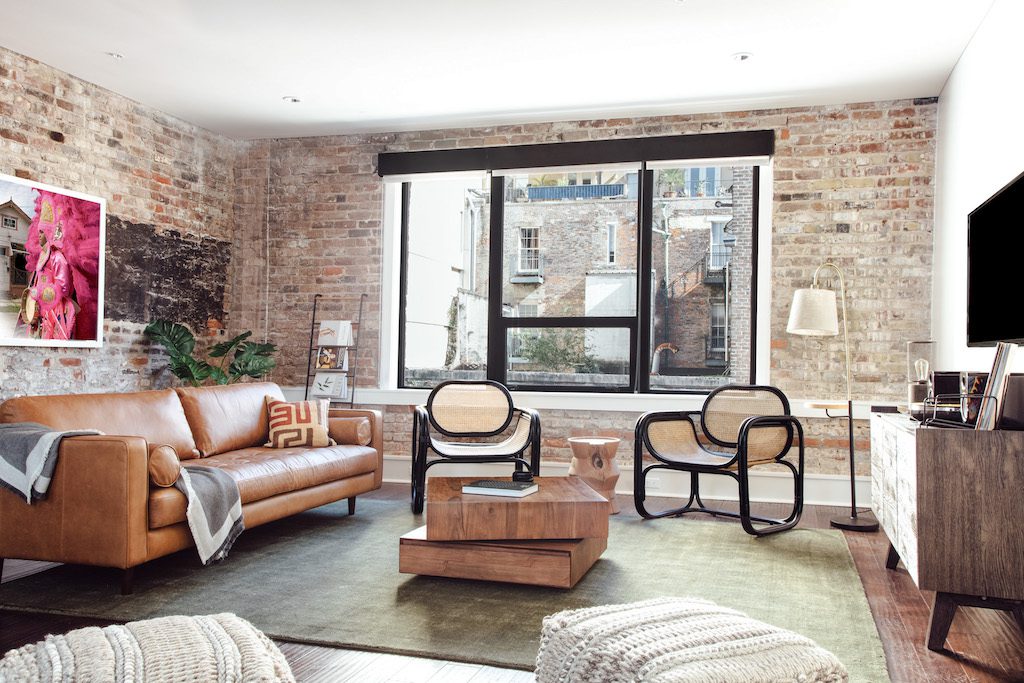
(565, 400)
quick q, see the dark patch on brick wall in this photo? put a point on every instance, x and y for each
(56, 136)
(165, 275)
(918, 101)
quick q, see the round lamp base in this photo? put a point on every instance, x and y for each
(862, 522)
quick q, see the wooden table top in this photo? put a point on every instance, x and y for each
(563, 507)
(551, 489)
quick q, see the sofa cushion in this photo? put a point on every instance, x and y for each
(265, 472)
(156, 416)
(226, 418)
(302, 423)
(163, 465)
(351, 430)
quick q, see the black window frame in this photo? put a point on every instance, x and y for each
(496, 160)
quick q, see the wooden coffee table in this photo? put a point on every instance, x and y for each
(549, 538)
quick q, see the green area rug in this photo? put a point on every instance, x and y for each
(324, 577)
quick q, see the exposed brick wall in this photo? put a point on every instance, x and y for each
(152, 169)
(853, 184)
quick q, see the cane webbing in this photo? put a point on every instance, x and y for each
(726, 410)
(470, 408)
(675, 441)
(514, 444)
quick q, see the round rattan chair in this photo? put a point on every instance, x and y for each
(750, 424)
(469, 411)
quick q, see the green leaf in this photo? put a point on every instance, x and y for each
(224, 348)
(219, 376)
(250, 366)
(175, 338)
(190, 369)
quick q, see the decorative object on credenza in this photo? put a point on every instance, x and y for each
(814, 314)
(920, 362)
(51, 288)
(972, 393)
(988, 414)
(236, 358)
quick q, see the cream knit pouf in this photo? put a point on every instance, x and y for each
(221, 648)
(676, 639)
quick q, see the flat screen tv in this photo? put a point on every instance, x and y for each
(995, 268)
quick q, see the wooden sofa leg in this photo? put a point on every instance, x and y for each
(1, 569)
(352, 505)
(128, 581)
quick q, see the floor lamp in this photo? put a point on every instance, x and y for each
(814, 315)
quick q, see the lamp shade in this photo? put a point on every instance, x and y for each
(814, 313)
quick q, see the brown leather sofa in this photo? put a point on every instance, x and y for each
(111, 502)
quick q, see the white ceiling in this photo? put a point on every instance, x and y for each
(385, 65)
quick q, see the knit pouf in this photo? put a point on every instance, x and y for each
(222, 648)
(676, 639)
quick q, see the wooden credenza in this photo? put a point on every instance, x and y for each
(951, 502)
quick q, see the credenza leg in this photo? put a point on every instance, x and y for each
(893, 558)
(943, 611)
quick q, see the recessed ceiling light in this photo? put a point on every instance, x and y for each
(291, 99)
(114, 55)
(742, 56)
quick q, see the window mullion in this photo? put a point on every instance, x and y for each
(642, 339)
(496, 323)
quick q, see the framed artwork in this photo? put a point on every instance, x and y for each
(51, 265)
(332, 358)
(335, 333)
(332, 385)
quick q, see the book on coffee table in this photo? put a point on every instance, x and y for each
(498, 487)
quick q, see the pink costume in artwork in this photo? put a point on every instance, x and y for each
(63, 257)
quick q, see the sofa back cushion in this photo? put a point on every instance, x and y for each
(226, 418)
(156, 416)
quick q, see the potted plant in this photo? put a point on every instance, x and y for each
(670, 179)
(238, 357)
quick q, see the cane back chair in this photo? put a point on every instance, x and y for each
(468, 411)
(747, 425)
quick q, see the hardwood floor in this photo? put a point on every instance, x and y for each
(984, 645)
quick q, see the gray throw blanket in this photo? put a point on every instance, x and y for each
(28, 456)
(214, 511)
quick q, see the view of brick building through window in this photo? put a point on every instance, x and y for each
(570, 250)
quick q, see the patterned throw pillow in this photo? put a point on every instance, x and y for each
(303, 423)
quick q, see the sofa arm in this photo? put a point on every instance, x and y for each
(376, 425)
(95, 511)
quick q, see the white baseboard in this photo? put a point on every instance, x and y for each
(765, 487)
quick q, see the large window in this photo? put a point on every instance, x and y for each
(626, 276)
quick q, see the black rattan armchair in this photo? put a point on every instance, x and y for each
(750, 426)
(466, 410)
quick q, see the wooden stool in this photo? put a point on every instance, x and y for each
(593, 461)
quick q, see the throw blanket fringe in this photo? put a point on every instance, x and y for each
(221, 647)
(28, 456)
(214, 511)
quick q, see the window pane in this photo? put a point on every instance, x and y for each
(702, 256)
(446, 291)
(586, 357)
(570, 243)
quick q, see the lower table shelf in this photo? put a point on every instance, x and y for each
(553, 563)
